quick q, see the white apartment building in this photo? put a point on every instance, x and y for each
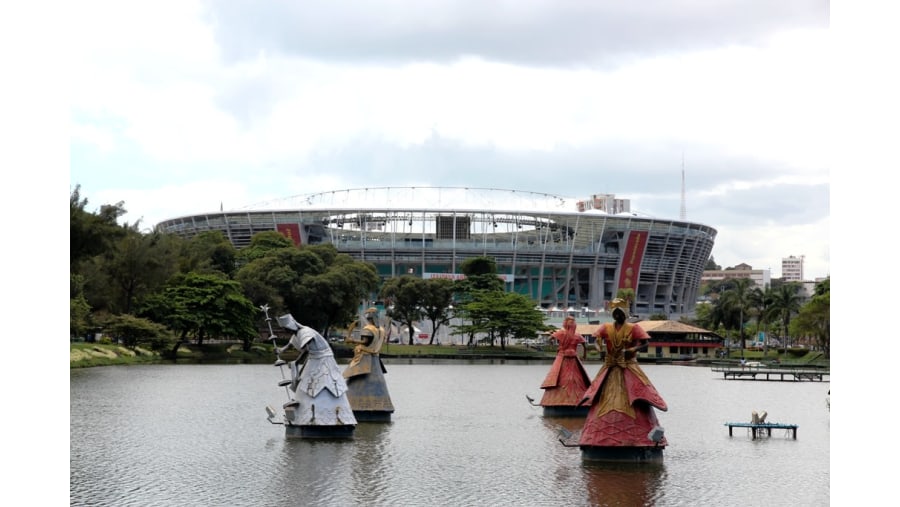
(792, 269)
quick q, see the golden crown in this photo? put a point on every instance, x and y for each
(618, 303)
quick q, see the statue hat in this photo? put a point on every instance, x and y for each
(619, 304)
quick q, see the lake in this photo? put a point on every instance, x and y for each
(463, 434)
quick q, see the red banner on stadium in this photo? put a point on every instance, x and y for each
(631, 260)
(290, 231)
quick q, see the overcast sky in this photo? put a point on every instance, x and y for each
(181, 107)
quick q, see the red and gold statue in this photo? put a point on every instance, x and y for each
(621, 424)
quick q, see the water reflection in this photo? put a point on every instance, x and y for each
(623, 484)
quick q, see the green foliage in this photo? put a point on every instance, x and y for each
(261, 244)
(785, 303)
(404, 296)
(133, 331)
(79, 309)
(138, 265)
(318, 285)
(481, 274)
(814, 318)
(735, 304)
(91, 234)
(436, 302)
(711, 265)
(500, 315)
(209, 251)
(204, 305)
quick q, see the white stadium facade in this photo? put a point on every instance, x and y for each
(562, 252)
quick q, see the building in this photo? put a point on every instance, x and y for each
(543, 245)
(761, 278)
(792, 269)
(670, 339)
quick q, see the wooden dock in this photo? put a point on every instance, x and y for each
(782, 374)
(757, 429)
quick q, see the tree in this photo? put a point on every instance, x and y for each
(711, 265)
(138, 265)
(334, 296)
(501, 315)
(204, 305)
(436, 303)
(91, 234)
(760, 302)
(481, 274)
(814, 318)
(785, 303)
(737, 300)
(209, 251)
(404, 296)
(79, 309)
(317, 285)
(133, 331)
(261, 244)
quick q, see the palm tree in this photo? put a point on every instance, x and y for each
(760, 302)
(785, 303)
(737, 300)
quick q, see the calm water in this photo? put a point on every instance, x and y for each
(462, 434)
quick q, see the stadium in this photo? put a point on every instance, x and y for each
(567, 254)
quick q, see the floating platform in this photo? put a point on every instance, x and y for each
(757, 429)
(773, 374)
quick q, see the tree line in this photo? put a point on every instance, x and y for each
(161, 290)
(779, 309)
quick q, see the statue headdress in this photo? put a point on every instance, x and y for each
(619, 304)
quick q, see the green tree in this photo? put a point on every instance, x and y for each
(318, 285)
(133, 331)
(404, 296)
(261, 244)
(711, 265)
(138, 265)
(91, 234)
(204, 305)
(79, 309)
(276, 279)
(481, 274)
(334, 297)
(209, 251)
(737, 300)
(501, 315)
(785, 304)
(436, 302)
(814, 318)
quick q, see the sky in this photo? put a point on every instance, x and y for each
(187, 107)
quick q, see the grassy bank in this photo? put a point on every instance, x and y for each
(83, 355)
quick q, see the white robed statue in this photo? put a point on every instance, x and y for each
(318, 407)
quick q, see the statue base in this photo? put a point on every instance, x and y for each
(566, 411)
(319, 432)
(591, 454)
(372, 416)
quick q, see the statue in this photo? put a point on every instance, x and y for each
(621, 425)
(567, 379)
(368, 392)
(317, 404)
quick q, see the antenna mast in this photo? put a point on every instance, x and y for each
(683, 214)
